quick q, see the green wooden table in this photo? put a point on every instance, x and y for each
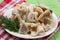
(52, 4)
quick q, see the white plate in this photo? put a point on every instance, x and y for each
(54, 26)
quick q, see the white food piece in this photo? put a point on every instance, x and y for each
(23, 29)
(30, 7)
(32, 16)
(33, 33)
(47, 27)
(40, 29)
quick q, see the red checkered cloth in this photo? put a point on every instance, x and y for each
(6, 5)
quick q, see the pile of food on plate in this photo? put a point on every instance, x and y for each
(32, 19)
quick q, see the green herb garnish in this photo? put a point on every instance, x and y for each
(7, 23)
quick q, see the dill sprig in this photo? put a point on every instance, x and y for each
(9, 24)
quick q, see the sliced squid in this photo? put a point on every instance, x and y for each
(33, 19)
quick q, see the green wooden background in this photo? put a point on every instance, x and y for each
(52, 4)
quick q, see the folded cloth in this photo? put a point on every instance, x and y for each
(4, 6)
